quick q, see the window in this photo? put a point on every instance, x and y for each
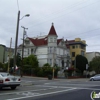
(73, 54)
(27, 42)
(73, 62)
(31, 51)
(82, 53)
(82, 47)
(54, 49)
(50, 49)
(51, 40)
(50, 61)
(19, 51)
(28, 51)
(76, 46)
(73, 47)
(54, 39)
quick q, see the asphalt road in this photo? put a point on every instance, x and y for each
(57, 89)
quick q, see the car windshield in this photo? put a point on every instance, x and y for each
(5, 74)
(97, 75)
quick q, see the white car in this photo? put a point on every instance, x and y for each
(7, 80)
(95, 78)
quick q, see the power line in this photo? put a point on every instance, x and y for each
(71, 6)
(18, 5)
(67, 13)
(63, 9)
(83, 32)
(94, 45)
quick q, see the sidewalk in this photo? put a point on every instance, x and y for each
(76, 79)
(29, 83)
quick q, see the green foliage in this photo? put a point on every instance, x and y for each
(1, 66)
(56, 70)
(36, 71)
(81, 62)
(95, 64)
(47, 70)
(31, 61)
(46, 64)
(18, 59)
(5, 67)
(11, 62)
(29, 65)
(40, 73)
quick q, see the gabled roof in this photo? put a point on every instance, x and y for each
(42, 41)
(70, 41)
(52, 31)
(38, 42)
(58, 41)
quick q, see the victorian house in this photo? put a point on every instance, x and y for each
(48, 49)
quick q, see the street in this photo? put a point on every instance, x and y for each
(57, 89)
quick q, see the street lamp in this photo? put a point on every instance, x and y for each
(27, 15)
(16, 41)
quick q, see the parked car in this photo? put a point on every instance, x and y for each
(7, 80)
(95, 78)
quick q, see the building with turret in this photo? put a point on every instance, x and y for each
(48, 49)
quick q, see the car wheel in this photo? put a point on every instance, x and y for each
(13, 87)
(92, 79)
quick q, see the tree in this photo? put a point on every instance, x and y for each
(47, 69)
(1, 66)
(81, 62)
(18, 59)
(46, 64)
(30, 63)
(11, 62)
(95, 64)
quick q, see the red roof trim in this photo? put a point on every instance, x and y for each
(52, 31)
(38, 42)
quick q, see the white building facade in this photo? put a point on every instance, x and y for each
(91, 55)
(48, 49)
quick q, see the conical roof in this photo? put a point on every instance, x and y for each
(52, 30)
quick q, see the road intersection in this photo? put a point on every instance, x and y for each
(44, 89)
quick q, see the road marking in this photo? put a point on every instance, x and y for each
(27, 90)
(89, 88)
(79, 84)
(28, 94)
(42, 94)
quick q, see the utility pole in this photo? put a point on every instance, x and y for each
(9, 55)
(24, 33)
(16, 40)
(53, 63)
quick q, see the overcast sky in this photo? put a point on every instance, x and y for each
(71, 18)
